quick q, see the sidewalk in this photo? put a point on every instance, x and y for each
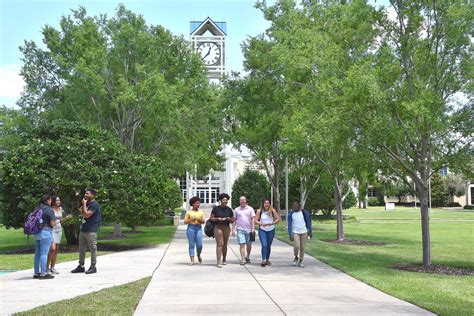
(281, 289)
(20, 292)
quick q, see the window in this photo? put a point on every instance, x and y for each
(371, 192)
(443, 171)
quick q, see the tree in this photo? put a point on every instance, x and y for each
(439, 196)
(317, 46)
(253, 185)
(138, 81)
(409, 110)
(454, 186)
(65, 157)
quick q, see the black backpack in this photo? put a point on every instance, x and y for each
(209, 228)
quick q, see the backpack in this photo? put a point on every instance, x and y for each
(33, 224)
(209, 228)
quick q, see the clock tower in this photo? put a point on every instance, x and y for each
(208, 39)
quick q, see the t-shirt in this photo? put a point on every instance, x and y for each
(218, 211)
(48, 215)
(298, 224)
(91, 224)
(197, 215)
(244, 217)
(266, 218)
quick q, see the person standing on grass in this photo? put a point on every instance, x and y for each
(244, 221)
(194, 219)
(266, 218)
(299, 228)
(222, 216)
(57, 234)
(90, 211)
(43, 239)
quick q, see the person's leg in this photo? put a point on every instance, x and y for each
(198, 237)
(219, 236)
(249, 250)
(270, 236)
(264, 241)
(303, 238)
(37, 257)
(296, 244)
(190, 233)
(226, 230)
(45, 245)
(241, 241)
(82, 248)
(55, 255)
(92, 244)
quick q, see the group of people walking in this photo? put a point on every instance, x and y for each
(241, 222)
(48, 239)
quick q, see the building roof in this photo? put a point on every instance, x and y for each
(220, 26)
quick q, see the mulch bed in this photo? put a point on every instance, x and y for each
(74, 249)
(355, 242)
(434, 269)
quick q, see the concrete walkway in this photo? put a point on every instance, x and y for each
(281, 289)
(20, 292)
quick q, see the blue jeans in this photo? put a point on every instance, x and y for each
(43, 242)
(266, 239)
(194, 234)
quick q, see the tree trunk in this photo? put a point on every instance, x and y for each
(118, 231)
(71, 231)
(338, 199)
(303, 190)
(425, 222)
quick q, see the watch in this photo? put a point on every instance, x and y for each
(210, 53)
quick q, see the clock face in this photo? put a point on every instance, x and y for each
(210, 53)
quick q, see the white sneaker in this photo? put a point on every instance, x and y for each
(53, 271)
(300, 264)
(295, 262)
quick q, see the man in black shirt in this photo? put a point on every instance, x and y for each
(90, 210)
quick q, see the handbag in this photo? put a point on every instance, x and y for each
(209, 228)
(252, 236)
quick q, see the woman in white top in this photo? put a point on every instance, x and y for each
(57, 234)
(266, 218)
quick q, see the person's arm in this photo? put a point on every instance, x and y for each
(253, 221)
(290, 224)
(201, 219)
(257, 218)
(213, 217)
(187, 218)
(52, 217)
(276, 217)
(234, 224)
(309, 224)
(88, 212)
(231, 218)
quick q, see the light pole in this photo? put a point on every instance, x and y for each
(286, 190)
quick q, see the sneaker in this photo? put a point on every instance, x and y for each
(300, 264)
(91, 270)
(79, 269)
(199, 259)
(295, 261)
(263, 264)
(36, 276)
(247, 260)
(219, 265)
(46, 276)
(269, 263)
(53, 271)
(224, 263)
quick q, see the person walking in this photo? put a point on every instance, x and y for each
(43, 239)
(299, 228)
(90, 211)
(222, 216)
(194, 218)
(245, 223)
(57, 234)
(266, 218)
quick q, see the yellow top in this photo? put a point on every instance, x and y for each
(193, 217)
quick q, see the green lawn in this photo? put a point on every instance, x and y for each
(452, 243)
(16, 240)
(118, 300)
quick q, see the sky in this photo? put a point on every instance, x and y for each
(22, 20)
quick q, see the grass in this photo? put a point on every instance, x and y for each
(452, 240)
(16, 240)
(118, 300)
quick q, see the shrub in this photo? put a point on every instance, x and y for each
(468, 207)
(373, 201)
(253, 185)
(453, 204)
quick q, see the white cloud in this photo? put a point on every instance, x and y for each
(11, 83)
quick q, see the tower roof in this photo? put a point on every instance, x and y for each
(200, 27)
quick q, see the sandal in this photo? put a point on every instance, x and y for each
(247, 260)
(263, 264)
(242, 263)
(199, 259)
(269, 263)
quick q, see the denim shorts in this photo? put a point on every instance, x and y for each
(243, 237)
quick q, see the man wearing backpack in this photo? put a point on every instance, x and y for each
(90, 211)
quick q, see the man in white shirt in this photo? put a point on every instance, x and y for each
(299, 229)
(244, 221)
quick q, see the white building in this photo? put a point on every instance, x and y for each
(208, 38)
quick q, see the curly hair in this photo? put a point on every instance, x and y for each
(193, 200)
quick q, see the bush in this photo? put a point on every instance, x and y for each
(253, 185)
(373, 201)
(350, 201)
(453, 204)
(468, 207)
